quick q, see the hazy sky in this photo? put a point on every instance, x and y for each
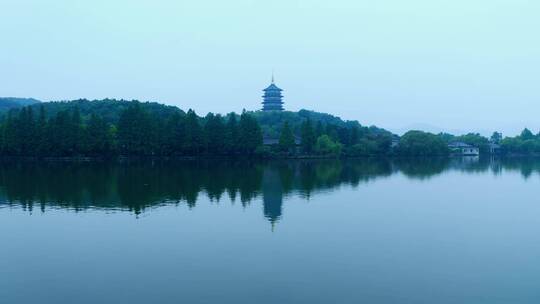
(459, 64)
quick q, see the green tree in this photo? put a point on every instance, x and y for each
(175, 137)
(250, 135)
(355, 135)
(446, 137)
(135, 131)
(74, 132)
(496, 137)
(364, 147)
(26, 133)
(194, 135)
(215, 133)
(307, 136)
(286, 139)
(231, 134)
(526, 134)
(160, 136)
(344, 135)
(418, 143)
(98, 139)
(326, 146)
(319, 129)
(59, 135)
(331, 131)
(42, 133)
(11, 140)
(2, 125)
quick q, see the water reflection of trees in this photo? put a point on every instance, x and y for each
(141, 185)
(422, 168)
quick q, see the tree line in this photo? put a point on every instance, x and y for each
(330, 139)
(525, 143)
(136, 133)
(418, 143)
(32, 132)
(111, 128)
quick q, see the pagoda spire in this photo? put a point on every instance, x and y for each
(272, 76)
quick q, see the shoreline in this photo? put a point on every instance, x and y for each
(225, 158)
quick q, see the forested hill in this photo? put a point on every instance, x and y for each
(8, 103)
(107, 109)
(271, 122)
(118, 127)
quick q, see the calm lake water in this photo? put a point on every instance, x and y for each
(358, 231)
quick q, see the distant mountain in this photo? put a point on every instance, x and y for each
(7, 103)
(436, 130)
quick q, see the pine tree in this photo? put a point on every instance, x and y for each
(24, 132)
(126, 137)
(231, 134)
(75, 132)
(215, 133)
(158, 136)
(286, 139)
(2, 128)
(10, 134)
(42, 133)
(60, 135)
(32, 133)
(135, 131)
(97, 139)
(194, 135)
(250, 134)
(175, 134)
(308, 136)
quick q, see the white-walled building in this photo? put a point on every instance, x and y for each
(461, 148)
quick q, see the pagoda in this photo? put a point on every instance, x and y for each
(272, 98)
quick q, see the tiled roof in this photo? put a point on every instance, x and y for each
(459, 145)
(272, 87)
